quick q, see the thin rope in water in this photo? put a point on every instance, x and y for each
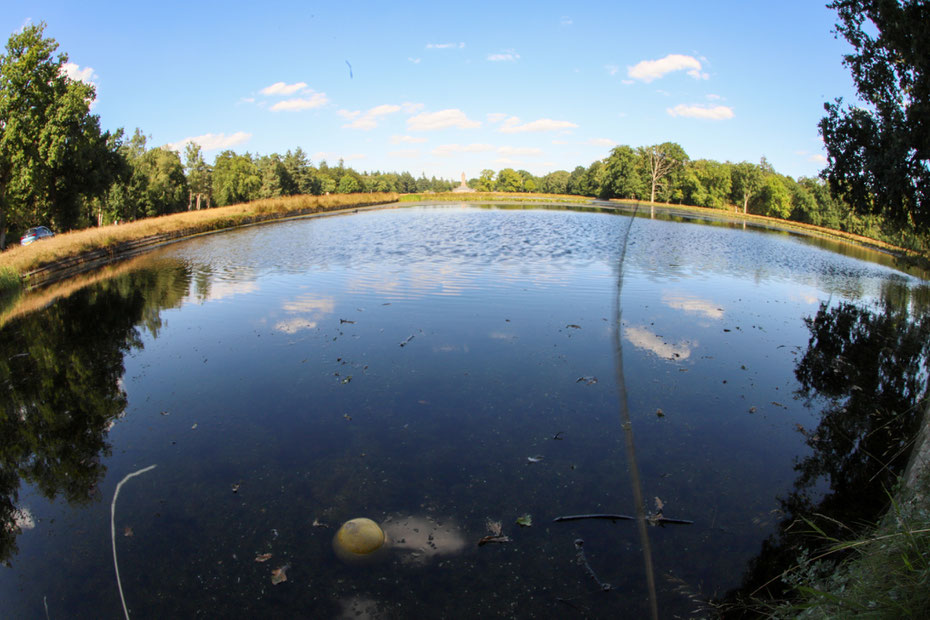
(627, 426)
(113, 531)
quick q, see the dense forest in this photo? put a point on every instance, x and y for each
(58, 167)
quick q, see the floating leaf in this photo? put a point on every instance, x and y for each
(525, 521)
(347, 416)
(660, 413)
(495, 527)
(347, 379)
(573, 326)
(127, 531)
(318, 523)
(534, 459)
(263, 557)
(587, 380)
(193, 427)
(278, 575)
(235, 488)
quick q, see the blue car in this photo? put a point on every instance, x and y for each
(34, 234)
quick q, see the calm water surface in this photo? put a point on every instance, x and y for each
(403, 365)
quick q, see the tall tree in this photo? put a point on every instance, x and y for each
(53, 155)
(198, 174)
(660, 161)
(879, 154)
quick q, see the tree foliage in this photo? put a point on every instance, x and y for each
(879, 153)
(53, 155)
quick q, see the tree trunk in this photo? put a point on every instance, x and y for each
(2, 228)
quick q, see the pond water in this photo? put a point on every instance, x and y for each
(442, 370)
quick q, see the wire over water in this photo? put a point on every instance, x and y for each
(627, 426)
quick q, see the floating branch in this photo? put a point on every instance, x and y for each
(610, 517)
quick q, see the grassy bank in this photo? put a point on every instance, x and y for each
(17, 262)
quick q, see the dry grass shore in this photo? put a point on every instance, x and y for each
(18, 262)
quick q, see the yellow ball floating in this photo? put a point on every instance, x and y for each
(359, 541)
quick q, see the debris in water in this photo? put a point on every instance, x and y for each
(409, 338)
(493, 539)
(127, 531)
(318, 523)
(346, 379)
(587, 380)
(165, 413)
(194, 426)
(235, 487)
(343, 321)
(347, 416)
(278, 575)
(262, 557)
(525, 521)
(660, 413)
(572, 326)
(495, 527)
(752, 410)
(558, 436)
(534, 459)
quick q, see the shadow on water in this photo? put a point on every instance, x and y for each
(61, 371)
(866, 369)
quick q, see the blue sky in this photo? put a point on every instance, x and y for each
(446, 88)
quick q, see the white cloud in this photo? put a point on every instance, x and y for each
(76, 73)
(415, 61)
(406, 140)
(506, 161)
(315, 100)
(444, 46)
(560, 142)
(280, 89)
(445, 150)
(820, 159)
(505, 56)
(692, 305)
(642, 338)
(405, 153)
(512, 125)
(519, 150)
(612, 69)
(714, 97)
(713, 113)
(211, 141)
(601, 142)
(496, 117)
(431, 121)
(565, 21)
(411, 108)
(649, 70)
(368, 120)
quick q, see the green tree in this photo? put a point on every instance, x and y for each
(706, 183)
(485, 182)
(774, 199)
(53, 156)
(509, 180)
(556, 182)
(879, 154)
(746, 182)
(198, 174)
(622, 175)
(348, 184)
(236, 178)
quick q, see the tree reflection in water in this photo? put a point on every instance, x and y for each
(866, 367)
(60, 371)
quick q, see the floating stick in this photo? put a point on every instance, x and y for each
(113, 531)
